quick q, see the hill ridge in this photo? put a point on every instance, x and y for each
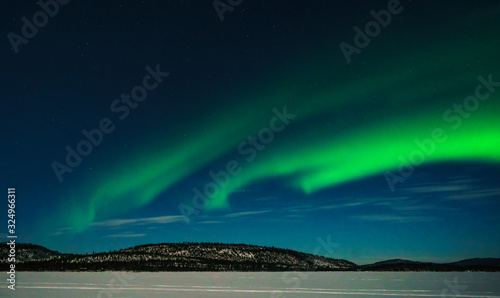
(214, 256)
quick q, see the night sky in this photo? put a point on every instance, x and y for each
(363, 130)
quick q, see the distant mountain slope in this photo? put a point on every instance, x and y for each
(391, 262)
(485, 264)
(213, 257)
(489, 262)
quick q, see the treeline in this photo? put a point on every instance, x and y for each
(192, 256)
(187, 256)
(204, 265)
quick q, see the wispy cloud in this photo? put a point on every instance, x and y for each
(209, 222)
(265, 199)
(414, 205)
(423, 208)
(455, 184)
(246, 213)
(392, 218)
(295, 216)
(229, 217)
(475, 194)
(437, 188)
(119, 223)
(62, 231)
(345, 203)
(339, 206)
(298, 208)
(139, 221)
(124, 235)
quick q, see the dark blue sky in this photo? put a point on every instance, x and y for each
(175, 123)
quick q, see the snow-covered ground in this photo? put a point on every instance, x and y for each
(253, 284)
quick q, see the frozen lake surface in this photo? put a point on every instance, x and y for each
(253, 284)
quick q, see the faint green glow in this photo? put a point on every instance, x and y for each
(307, 153)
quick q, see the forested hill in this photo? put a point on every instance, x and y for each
(212, 257)
(175, 257)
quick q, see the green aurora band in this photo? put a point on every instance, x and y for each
(358, 141)
(385, 147)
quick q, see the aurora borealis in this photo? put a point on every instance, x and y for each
(396, 154)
